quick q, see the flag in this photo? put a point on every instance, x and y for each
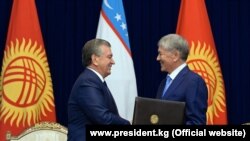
(25, 86)
(194, 25)
(122, 82)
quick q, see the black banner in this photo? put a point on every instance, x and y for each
(166, 132)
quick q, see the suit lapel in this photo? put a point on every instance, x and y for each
(177, 80)
(110, 100)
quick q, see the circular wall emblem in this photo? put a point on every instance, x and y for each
(27, 92)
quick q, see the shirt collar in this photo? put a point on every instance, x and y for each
(176, 71)
(97, 73)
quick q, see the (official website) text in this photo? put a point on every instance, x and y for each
(173, 133)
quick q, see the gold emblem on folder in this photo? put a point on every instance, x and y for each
(154, 119)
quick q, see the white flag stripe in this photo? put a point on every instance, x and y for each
(121, 82)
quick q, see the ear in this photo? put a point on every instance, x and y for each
(176, 56)
(94, 59)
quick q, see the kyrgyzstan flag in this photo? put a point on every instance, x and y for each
(25, 86)
(194, 25)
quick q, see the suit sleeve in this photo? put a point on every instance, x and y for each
(196, 102)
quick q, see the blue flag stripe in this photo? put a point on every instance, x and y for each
(115, 15)
(116, 32)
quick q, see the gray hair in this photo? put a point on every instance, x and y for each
(173, 42)
(92, 47)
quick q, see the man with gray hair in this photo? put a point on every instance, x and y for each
(181, 84)
(90, 101)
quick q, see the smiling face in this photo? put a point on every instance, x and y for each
(166, 59)
(172, 52)
(103, 62)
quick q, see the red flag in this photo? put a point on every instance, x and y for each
(194, 25)
(26, 86)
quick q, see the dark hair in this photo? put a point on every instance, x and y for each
(92, 47)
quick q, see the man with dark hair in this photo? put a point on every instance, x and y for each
(90, 101)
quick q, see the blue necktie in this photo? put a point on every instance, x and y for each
(113, 100)
(105, 83)
(168, 82)
(107, 87)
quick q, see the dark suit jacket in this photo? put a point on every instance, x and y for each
(188, 87)
(90, 102)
